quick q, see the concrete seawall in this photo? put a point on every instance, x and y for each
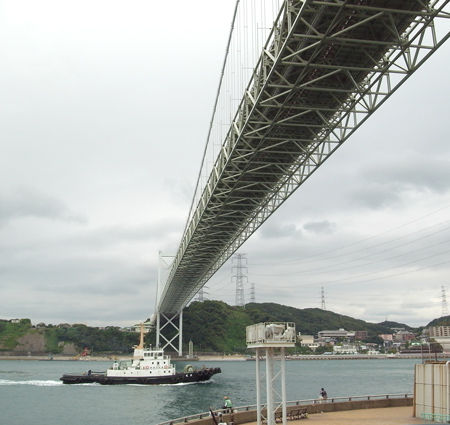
(250, 416)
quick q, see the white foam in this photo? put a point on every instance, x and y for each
(36, 383)
(188, 383)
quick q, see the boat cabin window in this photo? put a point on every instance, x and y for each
(125, 364)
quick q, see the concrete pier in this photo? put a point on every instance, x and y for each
(380, 416)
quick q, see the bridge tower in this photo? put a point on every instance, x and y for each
(271, 340)
(169, 327)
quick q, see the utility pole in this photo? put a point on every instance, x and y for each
(444, 302)
(323, 307)
(239, 276)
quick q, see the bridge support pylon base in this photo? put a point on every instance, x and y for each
(172, 325)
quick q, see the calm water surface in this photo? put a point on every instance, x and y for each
(30, 392)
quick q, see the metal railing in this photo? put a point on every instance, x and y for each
(249, 407)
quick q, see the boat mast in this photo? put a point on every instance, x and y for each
(141, 341)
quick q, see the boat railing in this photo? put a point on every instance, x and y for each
(291, 403)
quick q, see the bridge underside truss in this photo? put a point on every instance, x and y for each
(326, 67)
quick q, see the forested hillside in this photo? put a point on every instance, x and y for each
(216, 326)
(441, 321)
(23, 338)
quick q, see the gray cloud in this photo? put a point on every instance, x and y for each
(320, 226)
(423, 174)
(275, 230)
(386, 185)
(376, 196)
(123, 233)
(28, 202)
(181, 190)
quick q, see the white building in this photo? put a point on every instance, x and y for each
(307, 341)
(337, 333)
(345, 349)
(441, 334)
(439, 331)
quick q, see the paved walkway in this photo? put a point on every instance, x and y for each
(383, 416)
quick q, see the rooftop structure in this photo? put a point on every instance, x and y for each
(270, 334)
(338, 333)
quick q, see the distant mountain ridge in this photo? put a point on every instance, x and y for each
(212, 326)
(392, 325)
(441, 321)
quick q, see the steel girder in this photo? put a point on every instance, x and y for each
(326, 67)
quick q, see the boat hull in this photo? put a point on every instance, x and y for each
(102, 378)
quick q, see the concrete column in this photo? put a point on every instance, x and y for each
(269, 389)
(283, 385)
(180, 334)
(158, 326)
(258, 390)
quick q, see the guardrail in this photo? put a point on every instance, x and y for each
(249, 407)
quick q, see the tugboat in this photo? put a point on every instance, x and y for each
(147, 367)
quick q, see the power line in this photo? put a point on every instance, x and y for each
(318, 256)
(433, 230)
(345, 280)
(332, 267)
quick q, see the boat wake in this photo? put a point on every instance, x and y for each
(36, 383)
(188, 383)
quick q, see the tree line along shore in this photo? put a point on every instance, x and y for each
(223, 336)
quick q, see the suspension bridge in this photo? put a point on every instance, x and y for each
(298, 79)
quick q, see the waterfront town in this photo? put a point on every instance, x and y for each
(434, 339)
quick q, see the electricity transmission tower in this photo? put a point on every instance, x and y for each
(201, 294)
(252, 292)
(322, 305)
(444, 302)
(239, 276)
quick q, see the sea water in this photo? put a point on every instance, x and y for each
(31, 393)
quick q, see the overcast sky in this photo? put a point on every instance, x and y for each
(105, 107)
